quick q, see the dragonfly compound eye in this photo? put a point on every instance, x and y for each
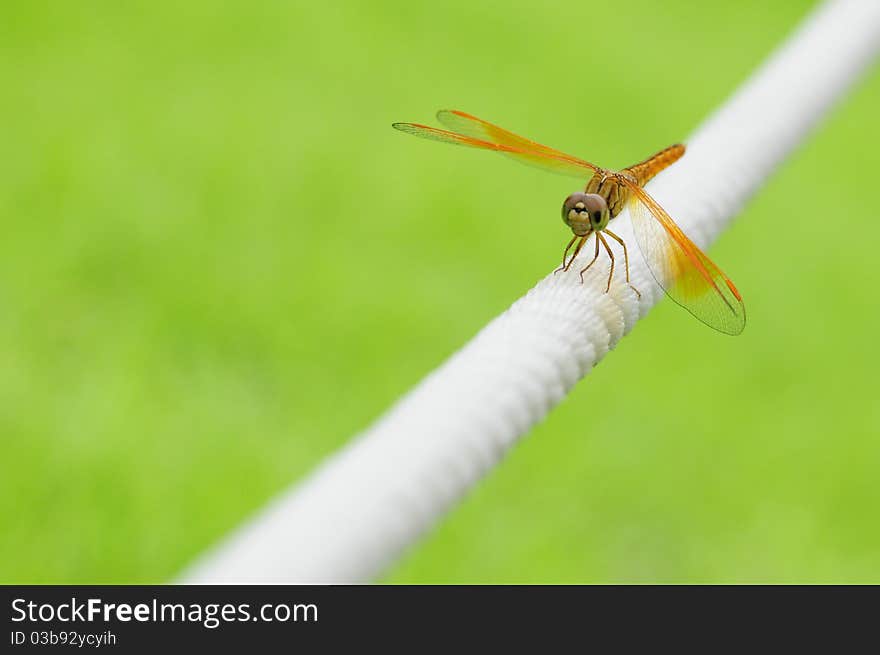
(584, 212)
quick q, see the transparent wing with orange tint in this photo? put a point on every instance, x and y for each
(459, 121)
(687, 275)
(516, 147)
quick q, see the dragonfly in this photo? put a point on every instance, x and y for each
(682, 270)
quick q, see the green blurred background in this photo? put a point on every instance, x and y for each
(219, 262)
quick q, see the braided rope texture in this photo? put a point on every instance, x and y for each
(365, 505)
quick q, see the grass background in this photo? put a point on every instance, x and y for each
(219, 262)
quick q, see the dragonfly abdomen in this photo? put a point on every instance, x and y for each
(644, 171)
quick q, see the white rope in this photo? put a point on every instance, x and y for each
(356, 514)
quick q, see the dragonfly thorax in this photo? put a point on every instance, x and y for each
(608, 185)
(585, 213)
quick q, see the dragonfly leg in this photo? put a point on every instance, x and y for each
(565, 254)
(611, 256)
(625, 259)
(593, 260)
(577, 251)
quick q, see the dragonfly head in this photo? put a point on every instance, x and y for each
(585, 212)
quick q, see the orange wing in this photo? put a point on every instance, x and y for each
(686, 274)
(475, 133)
(459, 121)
